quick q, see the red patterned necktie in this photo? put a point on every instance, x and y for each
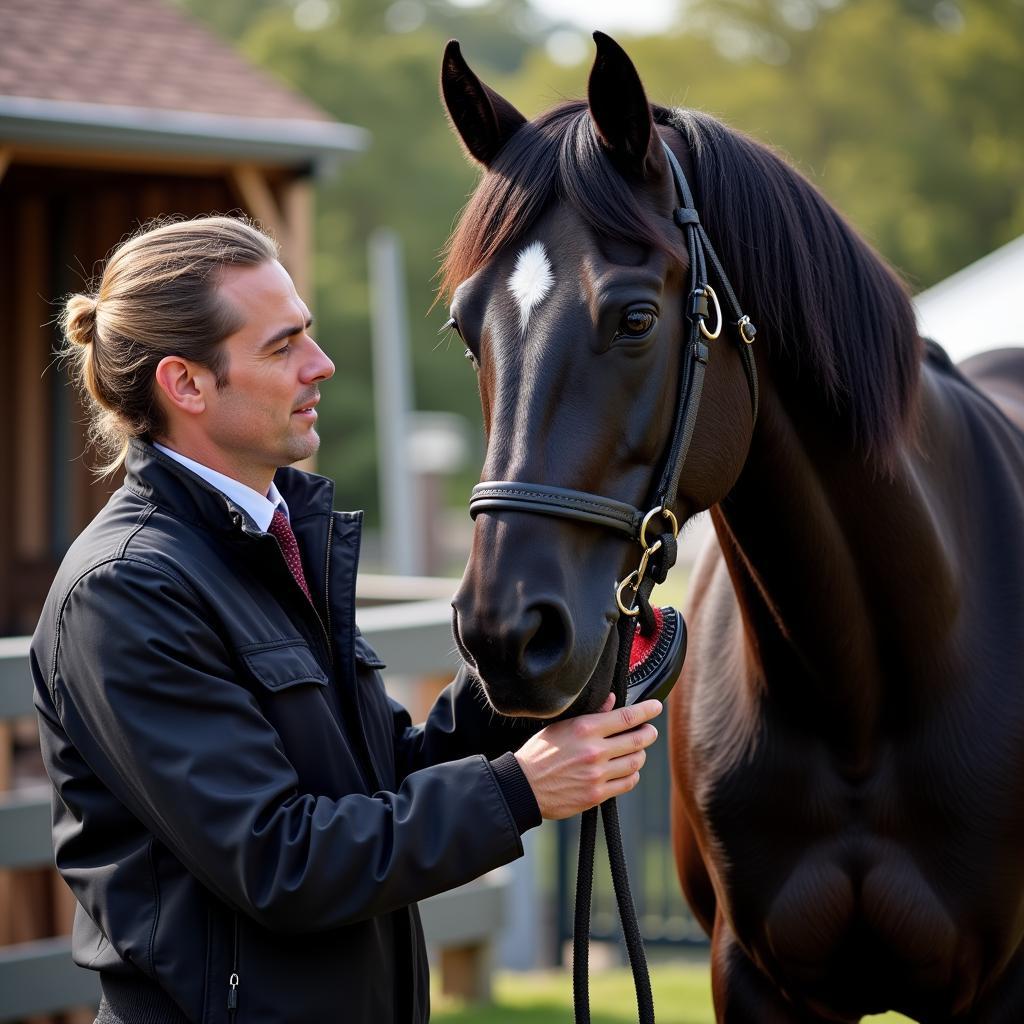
(282, 530)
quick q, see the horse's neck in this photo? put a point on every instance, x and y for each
(843, 573)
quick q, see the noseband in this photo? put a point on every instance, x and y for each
(634, 523)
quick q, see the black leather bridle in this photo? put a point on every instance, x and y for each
(632, 522)
(659, 554)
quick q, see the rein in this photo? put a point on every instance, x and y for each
(659, 555)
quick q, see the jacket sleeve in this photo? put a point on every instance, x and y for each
(146, 691)
(462, 723)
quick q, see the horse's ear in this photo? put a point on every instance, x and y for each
(483, 120)
(620, 111)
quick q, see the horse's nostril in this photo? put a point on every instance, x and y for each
(460, 642)
(547, 646)
(516, 644)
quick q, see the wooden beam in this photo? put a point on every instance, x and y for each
(256, 193)
(132, 162)
(30, 354)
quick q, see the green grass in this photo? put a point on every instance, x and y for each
(682, 995)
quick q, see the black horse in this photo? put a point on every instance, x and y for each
(848, 734)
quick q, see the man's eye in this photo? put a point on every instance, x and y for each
(283, 351)
(636, 323)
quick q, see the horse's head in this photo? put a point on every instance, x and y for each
(568, 279)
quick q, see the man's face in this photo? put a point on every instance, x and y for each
(264, 417)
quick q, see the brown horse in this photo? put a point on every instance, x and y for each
(848, 734)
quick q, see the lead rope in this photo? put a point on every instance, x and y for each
(620, 876)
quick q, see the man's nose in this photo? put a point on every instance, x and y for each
(320, 366)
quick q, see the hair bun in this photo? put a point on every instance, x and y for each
(79, 320)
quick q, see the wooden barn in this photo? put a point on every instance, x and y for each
(113, 112)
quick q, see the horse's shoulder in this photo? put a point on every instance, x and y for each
(710, 595)
(713, 617)
(709, 563)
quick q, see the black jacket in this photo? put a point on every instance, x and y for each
(235, 794)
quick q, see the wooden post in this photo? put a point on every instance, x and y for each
(297, 252)
(256, 193)
(298, 215)
(30, 353)
(465, 972)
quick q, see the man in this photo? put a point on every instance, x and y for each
(244, 816)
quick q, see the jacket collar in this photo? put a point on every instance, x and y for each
(164, 482)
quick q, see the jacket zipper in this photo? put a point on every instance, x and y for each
(233, 980)
(325, 627)
(327, 584)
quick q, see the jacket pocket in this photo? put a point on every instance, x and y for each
(283, 665)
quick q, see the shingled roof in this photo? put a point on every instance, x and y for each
(145, 67)
(139, 53)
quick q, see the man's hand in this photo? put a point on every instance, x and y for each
(576, 764)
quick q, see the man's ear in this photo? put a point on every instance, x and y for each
(181, 385)
(483, 120)
(621, 113)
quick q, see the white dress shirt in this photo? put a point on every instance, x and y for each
(260, 507)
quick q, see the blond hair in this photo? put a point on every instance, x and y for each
(157, 296)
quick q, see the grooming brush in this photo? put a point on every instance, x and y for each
(656, 660)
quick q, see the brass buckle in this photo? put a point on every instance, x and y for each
(635, 578)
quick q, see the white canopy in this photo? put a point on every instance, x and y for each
(976, 308)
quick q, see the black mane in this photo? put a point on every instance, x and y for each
(824, 302)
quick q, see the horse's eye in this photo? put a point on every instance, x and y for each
(636, 323)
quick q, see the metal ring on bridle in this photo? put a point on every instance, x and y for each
(667, 513)
(718, 314)
(747, 330)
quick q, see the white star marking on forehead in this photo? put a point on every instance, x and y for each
(531, 280)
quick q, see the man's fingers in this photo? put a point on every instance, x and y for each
(624, 743)
(621, 786)
(621, 767)
(629, 717)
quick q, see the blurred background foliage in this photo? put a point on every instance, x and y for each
(908, 114)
